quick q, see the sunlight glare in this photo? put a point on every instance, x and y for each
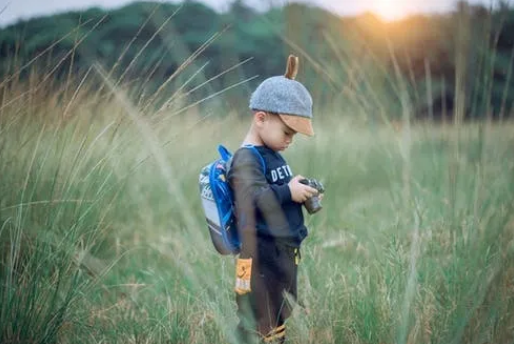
(390, 10)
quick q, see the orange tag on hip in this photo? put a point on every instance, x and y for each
(243, 276)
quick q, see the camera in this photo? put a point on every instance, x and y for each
(313, 204)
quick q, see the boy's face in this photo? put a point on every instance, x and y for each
(274, 132)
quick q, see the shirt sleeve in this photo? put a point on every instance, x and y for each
(247, 179)
(252, 191)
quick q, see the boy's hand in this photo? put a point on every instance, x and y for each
(300, 192)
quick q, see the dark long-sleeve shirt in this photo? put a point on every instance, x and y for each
(264, 207)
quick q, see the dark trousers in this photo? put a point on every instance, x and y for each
(262, 311)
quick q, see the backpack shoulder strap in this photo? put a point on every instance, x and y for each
(256, 152)
(227, 156)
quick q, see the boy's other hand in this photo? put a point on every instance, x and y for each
(300, 192)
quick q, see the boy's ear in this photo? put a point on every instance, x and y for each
(260, 116)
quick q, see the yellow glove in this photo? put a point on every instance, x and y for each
(243, 276)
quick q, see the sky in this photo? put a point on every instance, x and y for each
(13, 10)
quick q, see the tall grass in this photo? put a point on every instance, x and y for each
(103, 238)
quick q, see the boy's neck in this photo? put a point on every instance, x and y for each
(252, 138)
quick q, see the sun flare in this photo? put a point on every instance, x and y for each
(390, 10)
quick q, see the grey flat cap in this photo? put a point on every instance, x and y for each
(286, 97)
(282, 95)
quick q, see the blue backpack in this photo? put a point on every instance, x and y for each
(218, 202)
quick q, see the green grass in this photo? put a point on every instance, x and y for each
(103, 239)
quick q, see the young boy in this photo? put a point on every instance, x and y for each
(268, 205)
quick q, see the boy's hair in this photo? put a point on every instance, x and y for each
(286, 97)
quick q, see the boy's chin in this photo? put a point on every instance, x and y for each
(277, 148)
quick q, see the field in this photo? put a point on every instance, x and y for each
(103, 239)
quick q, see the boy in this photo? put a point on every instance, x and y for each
(268, 205)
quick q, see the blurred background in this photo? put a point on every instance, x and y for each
(353, 61)
(110, 109)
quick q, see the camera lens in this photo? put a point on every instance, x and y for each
(313, 205)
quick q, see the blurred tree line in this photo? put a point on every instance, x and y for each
(431, 65)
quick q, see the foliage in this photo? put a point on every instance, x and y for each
(153, 40)
(103, 239)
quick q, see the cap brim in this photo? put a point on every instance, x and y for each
(302, 125)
